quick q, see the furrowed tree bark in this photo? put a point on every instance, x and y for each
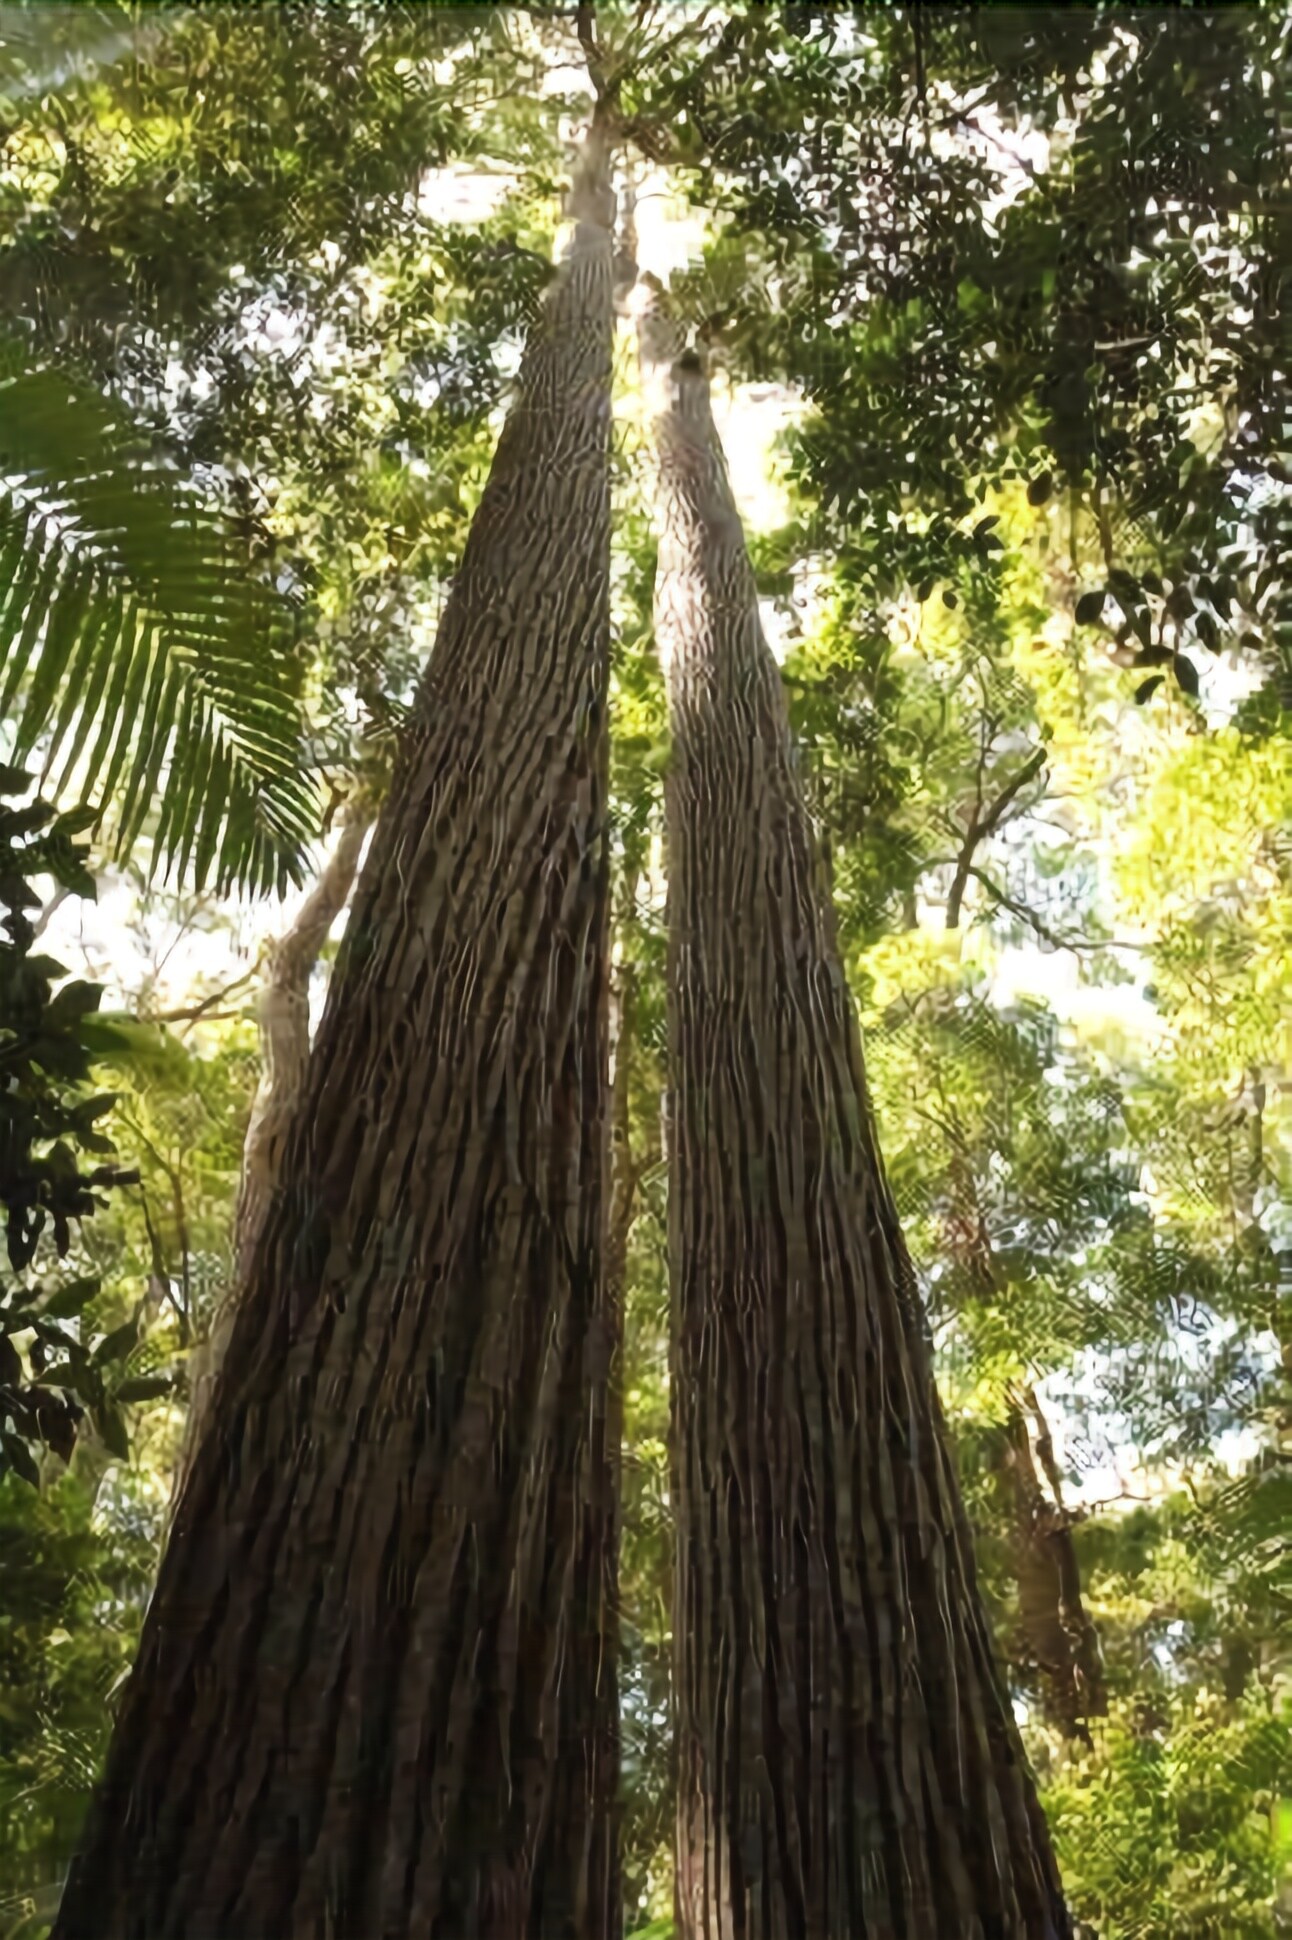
(284, 1018)
(375, 1695)
(847, 1760)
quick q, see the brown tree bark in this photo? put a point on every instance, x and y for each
(847, 1759)
(284, 1018)
(375, 1695)
(1057, 1633)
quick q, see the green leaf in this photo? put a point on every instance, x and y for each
(116, 1345)
(76, 1379)
(147, 652)
(71, 1003)
(144, 640)
(155, 738)
(1282, 1817)
(1147, 688)
(1186, 674)
(27, 623)
(144, 1387)
(15, 781)
(11, 1368)
(64, 625)
(20, 1458)
(77, 675)
(1090, 607)
(71, 1297)
(1207, 631)
(111, 1428)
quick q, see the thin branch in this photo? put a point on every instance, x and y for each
(1045, 1445)
(1032, 766)
(50, 910)
(191, 1013)
(1105, 529)
(181, 932)
(585, 26)
(981, 826)
(160, 1273)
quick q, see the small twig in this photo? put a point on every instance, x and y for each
(190, 1013)
(981, 826)
(182, 931)
(160, 1274)
(50, 910)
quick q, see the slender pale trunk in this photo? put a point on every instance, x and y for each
(1055, 1634)
(847, 1759)
(624, 1171)
(375, 1695)
(1056, 1631)
(284, 1017)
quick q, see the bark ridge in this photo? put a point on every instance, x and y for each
(847, 1761)
(375, 1695)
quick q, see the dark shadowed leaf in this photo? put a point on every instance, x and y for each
(1186, 673)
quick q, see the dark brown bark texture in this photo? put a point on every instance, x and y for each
(847, 1762)
(375, 1695)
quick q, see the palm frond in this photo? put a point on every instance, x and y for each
(144, 656)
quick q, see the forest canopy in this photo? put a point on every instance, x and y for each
(992, 305)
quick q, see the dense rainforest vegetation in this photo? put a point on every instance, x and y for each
(646, 1138)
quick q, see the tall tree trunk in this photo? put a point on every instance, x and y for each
(847, 1760)
(375, 1695)
(284, 1016)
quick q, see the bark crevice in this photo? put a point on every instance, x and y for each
(847, 1759)
(375, 1694)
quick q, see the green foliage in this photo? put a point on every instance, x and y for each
(1170, 1823)
(141, 648)
(1165, 1832)
(78, 1569)
(1045, 248)
(52, 1368)
(181, 1116)
(645, 1570)
(283, 358)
